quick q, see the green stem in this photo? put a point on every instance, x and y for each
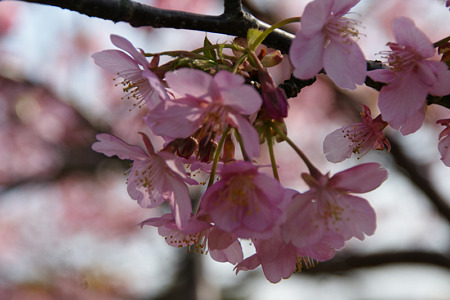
(269, 138)
(241, 144)
(269, 30)
(312, 169)
(218, 46)
(239, 62)
(440, 42)
(217, 156)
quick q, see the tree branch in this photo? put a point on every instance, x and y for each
(234, 21)
(347, 263)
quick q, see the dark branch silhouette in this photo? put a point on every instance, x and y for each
(350, 262)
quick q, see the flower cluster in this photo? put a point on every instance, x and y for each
(215, 109)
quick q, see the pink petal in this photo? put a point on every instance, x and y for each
(345, 63)
(271, 188)
(301, 226)
(443, 147)
(337, 147)
(260, 217)
(226, 79)
(314, 17)
(115, 62)
(173, 120)
(357, 219)
(341, 7)
(406, 33)
(278, 260)
(402, 98)
(232, 254)
(359, 179)
(159, 221)
(179, 200)
(413, 123)
(219, 239)
(146, 197)
(190, 82)
(306, 55)
(111, 145)
(244, 99)
(175, 164)
(248, 133)
(250, 263)
(441, 87)
(157, 86)
(324, 249)
(124, 44)
(382, 75)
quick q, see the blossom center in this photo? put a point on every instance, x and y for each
(401, 58)
(358, 135)
(135, 86)
(341, 27)
(238, 193)
(214, 119)
(148, 175)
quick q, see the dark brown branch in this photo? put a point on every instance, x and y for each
(232, 7)
(351, 262)
(233, 21)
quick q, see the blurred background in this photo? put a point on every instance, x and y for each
(68, 229)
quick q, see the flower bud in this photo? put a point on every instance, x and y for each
(272, 59)
(228, 149)
(274, 98)
(187, 147)
(207, 148)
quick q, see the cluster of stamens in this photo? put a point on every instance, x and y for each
(305, 261)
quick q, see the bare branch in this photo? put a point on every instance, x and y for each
(233, 21)
(351, 262)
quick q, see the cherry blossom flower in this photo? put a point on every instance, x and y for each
(280, 258)
(325, 41)
(444, 143)
(204, 237)
(139, 82)
(410, 77)
(154, 178)
(357, 138)
(329, 208)
(209, 104)
(244, 201)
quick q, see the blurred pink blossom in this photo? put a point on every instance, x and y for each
(154, 178)
(357, 138)
(325, 41)
(410, 79)
(444, 143)
(209, 104)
